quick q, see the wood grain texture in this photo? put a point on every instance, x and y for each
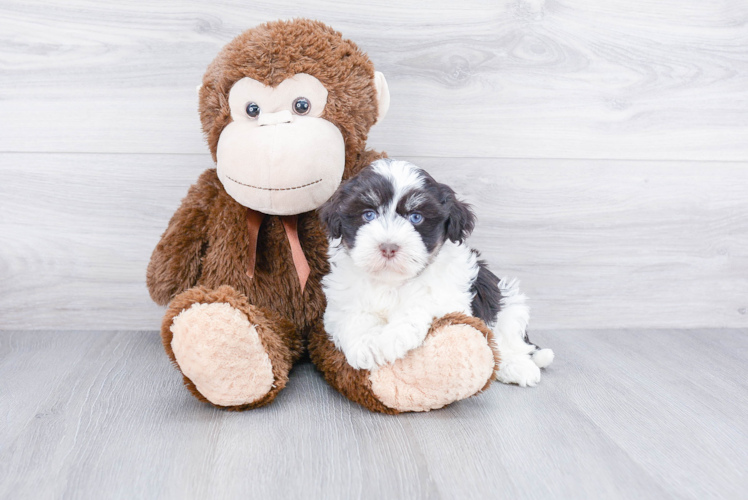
(621, 414)
(508, 78)
(597, 244)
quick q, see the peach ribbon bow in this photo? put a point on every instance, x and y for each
(290, 224)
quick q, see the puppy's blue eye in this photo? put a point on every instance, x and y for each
(415, 218)
(369, 215)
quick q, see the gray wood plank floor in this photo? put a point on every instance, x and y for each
(621, 414)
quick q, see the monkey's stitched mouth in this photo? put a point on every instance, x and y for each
(276, 189)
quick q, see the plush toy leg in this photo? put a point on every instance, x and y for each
(456, 361)
(231, 354)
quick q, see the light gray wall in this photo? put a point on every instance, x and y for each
(603, 143)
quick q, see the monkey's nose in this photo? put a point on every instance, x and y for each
(284, 116)
(389, 250)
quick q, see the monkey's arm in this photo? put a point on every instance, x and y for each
(177, 259)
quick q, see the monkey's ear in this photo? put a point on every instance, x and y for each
(383, 95)
(461, 219)
(330, 217)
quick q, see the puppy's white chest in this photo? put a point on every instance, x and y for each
(383, 301)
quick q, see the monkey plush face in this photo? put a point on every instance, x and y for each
(279, 155)
(286, 108)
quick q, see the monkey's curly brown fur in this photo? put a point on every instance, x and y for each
(203, 254)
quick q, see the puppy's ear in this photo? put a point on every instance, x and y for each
(461, 219)
(329, 214)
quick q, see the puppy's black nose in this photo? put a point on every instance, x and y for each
(389, 250)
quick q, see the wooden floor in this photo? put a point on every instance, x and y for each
(621, 414)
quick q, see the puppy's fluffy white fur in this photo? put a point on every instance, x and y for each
(378, 308)
(376, 321)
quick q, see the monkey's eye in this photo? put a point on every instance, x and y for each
(301, 106)
(369, 215)
(415, 218)
(253, 110)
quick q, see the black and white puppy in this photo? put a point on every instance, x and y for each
(398, 260)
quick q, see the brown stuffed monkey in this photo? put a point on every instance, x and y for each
(286, 108)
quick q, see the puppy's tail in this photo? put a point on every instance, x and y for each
(542, 357)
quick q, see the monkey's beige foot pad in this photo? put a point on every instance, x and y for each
(453, 363)
(218, 349)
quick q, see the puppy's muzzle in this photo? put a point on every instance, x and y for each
(389, 250)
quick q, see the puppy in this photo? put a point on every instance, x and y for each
(398, 261)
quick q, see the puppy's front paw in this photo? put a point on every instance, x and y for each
(520, 370)
(397, 339)
(363, 354)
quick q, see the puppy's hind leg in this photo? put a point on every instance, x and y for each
(520, 359)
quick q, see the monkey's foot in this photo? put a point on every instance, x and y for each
(229, 352)
(454, 362)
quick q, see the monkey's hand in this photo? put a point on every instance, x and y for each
(176, 261)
